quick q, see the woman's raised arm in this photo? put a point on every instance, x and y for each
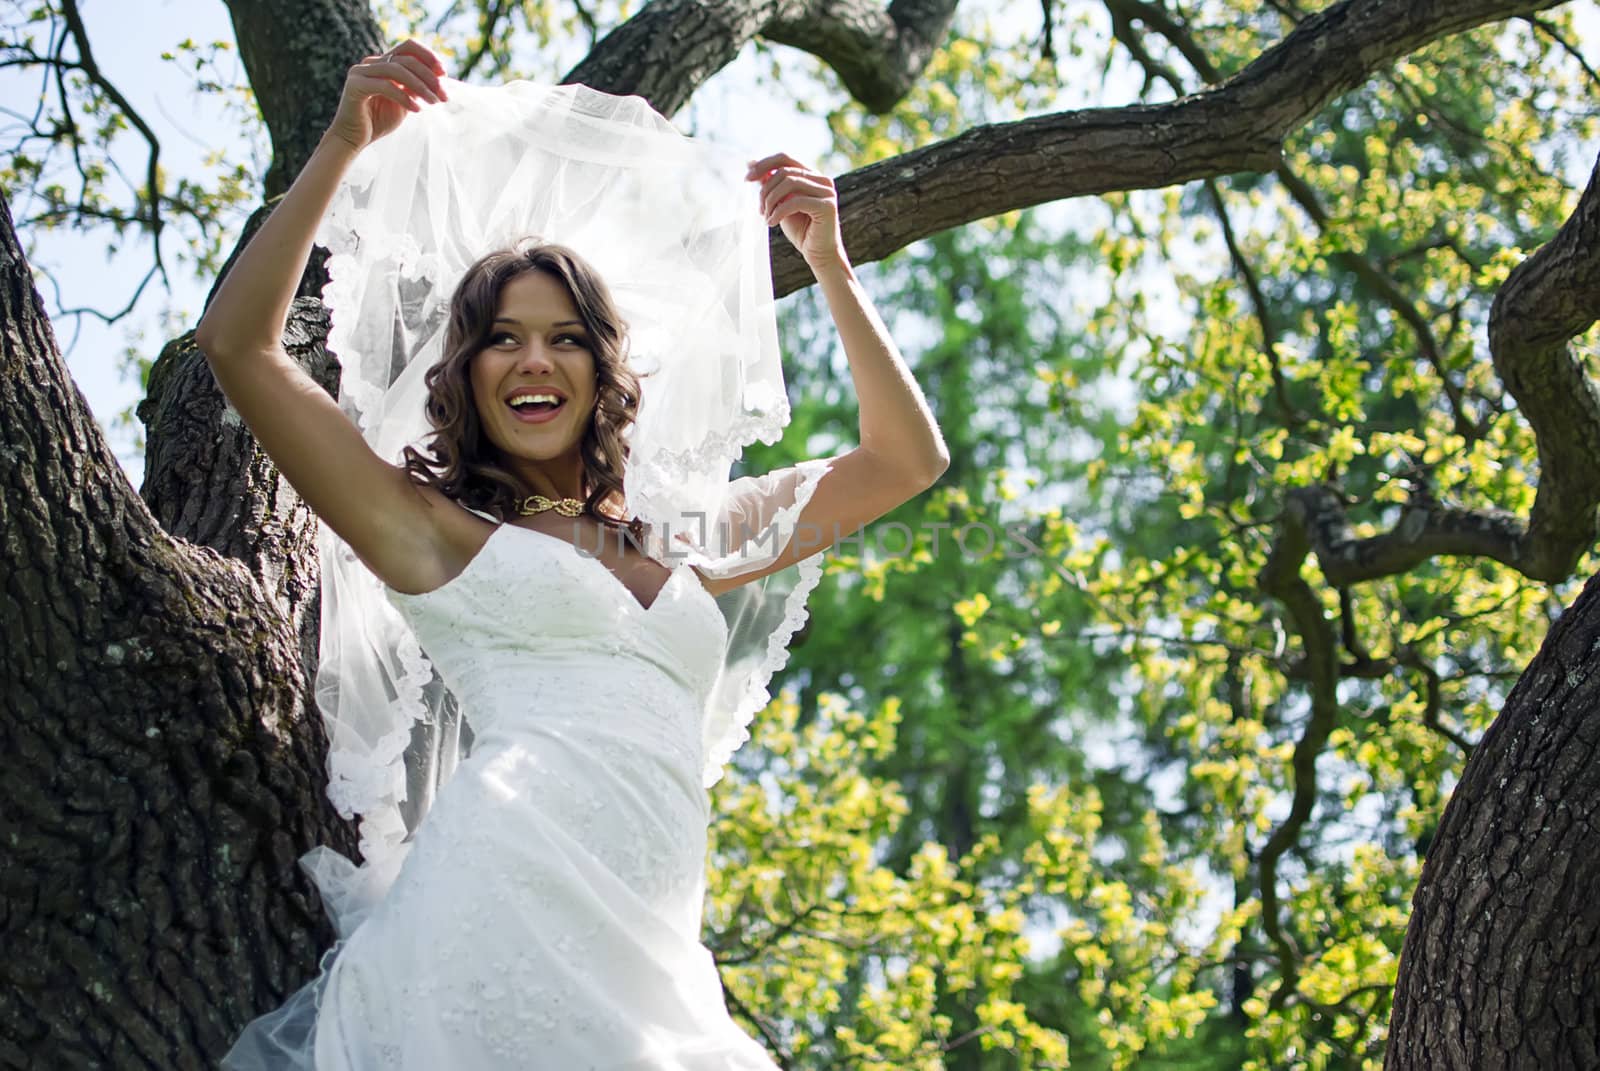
(902, 451)
(370, 503)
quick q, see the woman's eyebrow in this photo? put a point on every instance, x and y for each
(518, 323)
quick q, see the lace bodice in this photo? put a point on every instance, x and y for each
(534, 626)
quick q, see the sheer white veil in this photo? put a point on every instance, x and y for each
(675, 232)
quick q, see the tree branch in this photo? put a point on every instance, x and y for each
(1434, 702)
(1292, 417)
(1566, 46)
(1425, 530)
(86, 63)
(669, 49)
(1547, 301)
(488, 23)
(877, 54)
(1280, 579)
(1389, 291)
(147, 208)
(296, 54)
(1175, 32)
(1238, 126)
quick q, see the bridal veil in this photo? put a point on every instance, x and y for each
(674, 230)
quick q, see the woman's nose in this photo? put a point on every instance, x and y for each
(534, 357)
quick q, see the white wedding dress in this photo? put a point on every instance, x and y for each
(547, 915)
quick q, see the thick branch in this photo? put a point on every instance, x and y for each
(1425, 530)
(296, 53)
(1235, 127)
(877, 54)
(207, 481)
(1546, 302)
(669, 49)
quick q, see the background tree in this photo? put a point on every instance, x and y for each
(1298, 430)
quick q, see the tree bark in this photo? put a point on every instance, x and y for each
(671, 47)
(1501, 964)
(162, 775)
(1547, 301)
(296, 53)
(208, 482)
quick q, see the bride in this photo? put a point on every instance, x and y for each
(547, 911)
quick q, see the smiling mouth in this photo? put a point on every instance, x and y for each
(536, 412)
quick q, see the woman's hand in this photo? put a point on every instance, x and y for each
(804, 203)
(380, 90)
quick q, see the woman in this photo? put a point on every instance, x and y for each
(547, 912)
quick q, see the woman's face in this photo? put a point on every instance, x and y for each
(537, 345)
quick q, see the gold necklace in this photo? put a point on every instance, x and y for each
(567, 507)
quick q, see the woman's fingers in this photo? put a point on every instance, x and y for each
(380, 89)
(372, 86)
(418, 51)
(791, 185)
(804, 202)
(782, 167)
(422, 70)
(811, 207)
(397, 70)
(761, 168)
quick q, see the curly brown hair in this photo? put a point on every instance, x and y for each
(459, 460)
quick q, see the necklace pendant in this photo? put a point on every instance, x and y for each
(567, 507)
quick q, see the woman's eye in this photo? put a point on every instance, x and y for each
(500, 337)
(574, 339)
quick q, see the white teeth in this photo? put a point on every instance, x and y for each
(530, 398)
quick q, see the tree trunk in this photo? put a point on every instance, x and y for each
(162, 775)
(1501, 964)
(296, 53)
(165, 769)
